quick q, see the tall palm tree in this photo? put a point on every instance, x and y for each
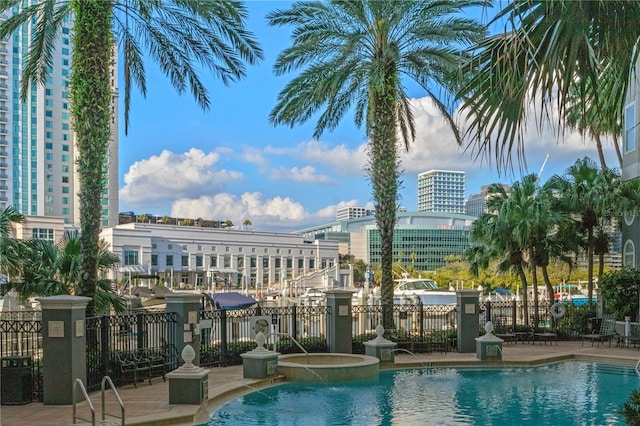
(493, 236)
(181, 36)
(586, 192)
(551, 51)
(9, 247)
(354, 56)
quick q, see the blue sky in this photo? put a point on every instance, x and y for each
(231, 163)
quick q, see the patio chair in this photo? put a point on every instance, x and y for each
(504, 332)
(632, 339)
(606, 332)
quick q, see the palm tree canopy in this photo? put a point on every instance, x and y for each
(346, 49)
(560, 53)
(181, 36)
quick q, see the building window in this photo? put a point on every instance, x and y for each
(169, 260)
(226, 249)
(170, 246)
(154, 260)
(42, 234)
(198, 261)
(253, 261)
(300, 263)
(185, 261)
(199, 247)
(241, 262)
(630, 128)
(239, 249)
(629, 255)
(278, 262)
(265, 262)
(312, 264)
(214, 261)
(131, 257)
(213, 248)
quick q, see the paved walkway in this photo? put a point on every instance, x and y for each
(148, 404)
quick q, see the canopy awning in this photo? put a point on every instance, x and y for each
(223, 270)
(139, 269)
(231, 300)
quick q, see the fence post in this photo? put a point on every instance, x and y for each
(339, 321)
(64, 348)
(186, 331)
(468, 316)
(294, 321)
(140, 331)
(224, 340)
(104, 344)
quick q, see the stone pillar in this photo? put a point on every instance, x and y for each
(64, 347)
(186, 328)
(468, 318)
(339, 321)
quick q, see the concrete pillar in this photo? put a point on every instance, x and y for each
(339, 321)
(64, 347)
(468, 317)
(186, 306)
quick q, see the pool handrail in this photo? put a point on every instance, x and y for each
(106, 379)
(86, 398)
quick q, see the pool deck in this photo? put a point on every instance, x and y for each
(148, 404)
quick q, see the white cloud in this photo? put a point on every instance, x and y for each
(341, 159)
(435, 147)
(160, 179)
(254, 156)
(278, 213)
(304, 175)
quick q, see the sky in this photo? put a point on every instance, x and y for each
(230, 163)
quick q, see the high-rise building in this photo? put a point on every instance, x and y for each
(477, 203)
(442, 191)
(37, 152)
(347, 213)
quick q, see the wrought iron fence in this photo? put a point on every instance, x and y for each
(21, 337)
(140, 333)
(416, 327)
(225, 334)
(520, 317)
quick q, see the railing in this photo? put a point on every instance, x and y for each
(21, 335)
(225, 334)
(105, 380)
(131, 332)
(76, 384)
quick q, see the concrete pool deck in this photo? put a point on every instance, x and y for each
(148, 404)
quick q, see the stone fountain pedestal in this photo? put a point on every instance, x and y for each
(259, 363)
(188, 384)
(489, 346)
(380, 347)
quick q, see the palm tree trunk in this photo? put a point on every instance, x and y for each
(590, 265)
(616, 145)
(603, 163)
(550, 293)
(525, 297)
(90, 85)
(383, 170)
(534, 281)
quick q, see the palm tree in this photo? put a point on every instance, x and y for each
(353, 56)
(590, 194)
(49, 269)
(246, 224)
(586, 59)
(9, 247)
(180, 35)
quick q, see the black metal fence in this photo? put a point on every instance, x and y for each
(225, 334)
(134, 334)
(21, 351)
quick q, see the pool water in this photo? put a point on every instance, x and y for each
(567, 393)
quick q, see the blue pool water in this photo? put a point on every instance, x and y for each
(568, 393)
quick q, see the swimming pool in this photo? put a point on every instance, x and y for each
(567, 393)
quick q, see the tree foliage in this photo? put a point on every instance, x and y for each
(353, 57)
(620, 291)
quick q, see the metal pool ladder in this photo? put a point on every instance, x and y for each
(638, 367)
(105, 379)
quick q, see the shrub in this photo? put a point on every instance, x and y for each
(620, 292)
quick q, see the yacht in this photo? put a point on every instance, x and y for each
(425, 289)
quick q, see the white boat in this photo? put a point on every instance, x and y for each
(425, 289)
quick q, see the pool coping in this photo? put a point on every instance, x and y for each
(205, 411)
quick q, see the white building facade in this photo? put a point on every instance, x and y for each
(196, 256)
(442, 191)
